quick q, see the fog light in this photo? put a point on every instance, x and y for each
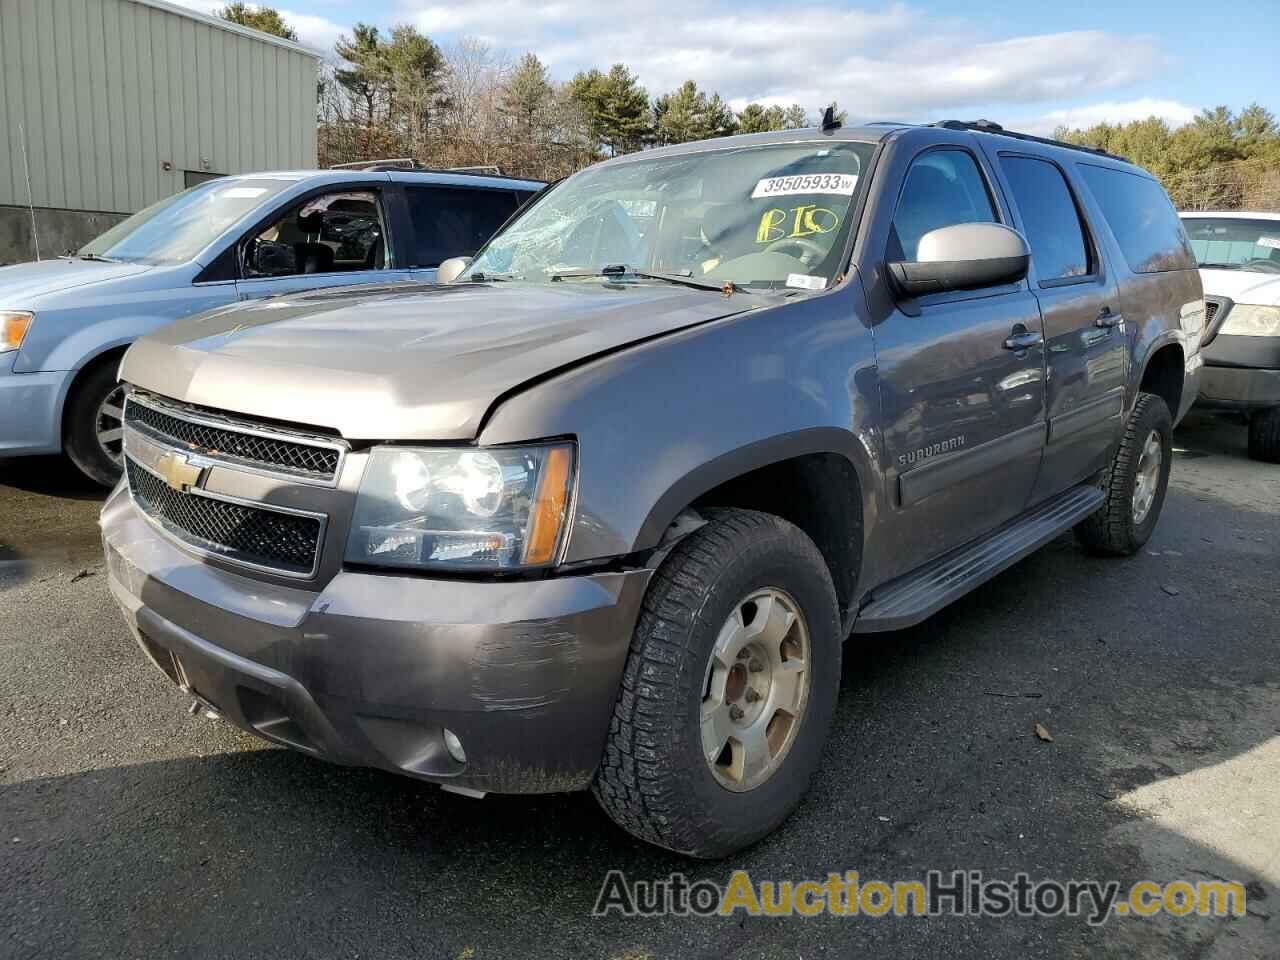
(454, 746)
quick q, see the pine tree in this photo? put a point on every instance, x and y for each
(528, 99)
(365, 76)
(795, 117)
(266, 19)
(615, 108)
(756, 118)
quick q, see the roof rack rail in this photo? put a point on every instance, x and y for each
(990, 126)
(397, 163)
(412, 165)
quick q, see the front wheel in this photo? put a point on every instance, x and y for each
(94, 431)
(1135, 483)
(728, 690)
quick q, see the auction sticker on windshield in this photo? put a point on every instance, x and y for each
(841, 184)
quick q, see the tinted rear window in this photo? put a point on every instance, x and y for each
(1142, 218)
(454, 221)
(1049, 216)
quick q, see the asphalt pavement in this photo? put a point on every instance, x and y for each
(129, 828)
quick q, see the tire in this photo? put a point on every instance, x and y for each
(1117, 529)
(1264, 436)
(654, 780)
(87, 414)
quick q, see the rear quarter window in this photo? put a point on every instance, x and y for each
(1142, 219)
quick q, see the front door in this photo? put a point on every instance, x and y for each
(331, 239)
(1083, 326)
(961, 378)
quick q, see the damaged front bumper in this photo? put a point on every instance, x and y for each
(374, 668)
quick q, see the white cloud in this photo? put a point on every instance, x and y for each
(318, 33)
(315, 32)
(887, 61)
(1172, 112)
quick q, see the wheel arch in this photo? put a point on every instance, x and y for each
(1164, 373)
(819, 479)
(109, 353)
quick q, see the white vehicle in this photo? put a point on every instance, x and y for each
(1239, 257)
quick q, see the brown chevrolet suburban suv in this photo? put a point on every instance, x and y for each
(603, 511)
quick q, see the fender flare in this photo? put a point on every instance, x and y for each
(753, 456)
(1155, 345)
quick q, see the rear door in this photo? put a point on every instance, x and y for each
(447, 221)
(1083, 323)
(962, 402)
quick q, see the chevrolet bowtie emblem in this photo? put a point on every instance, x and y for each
(179, 472)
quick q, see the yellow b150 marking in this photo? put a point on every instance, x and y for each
(806, 221)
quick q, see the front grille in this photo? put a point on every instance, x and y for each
(277, 454)
(246, 534)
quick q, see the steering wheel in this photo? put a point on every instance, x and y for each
(810, 252)
(1262, 265)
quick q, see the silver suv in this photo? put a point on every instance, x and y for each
(65, 323)
(602, 512)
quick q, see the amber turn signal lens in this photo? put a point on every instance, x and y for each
(14, 325)
(550, 506)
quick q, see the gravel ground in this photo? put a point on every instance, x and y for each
(129, 828)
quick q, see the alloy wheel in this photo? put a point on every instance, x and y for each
(756, 689)
(1147, 480)
(108, 425)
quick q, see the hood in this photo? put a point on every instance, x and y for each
(405, 362)
(22, 284)
(1242, 286)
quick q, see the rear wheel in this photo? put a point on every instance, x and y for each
(1264, 435)
(94, 424)
(728, 690)
(1135, 483)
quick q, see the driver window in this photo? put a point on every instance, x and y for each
(943, 187)
(339, 232)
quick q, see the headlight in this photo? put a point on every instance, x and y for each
(14, 325)
(1247, 320)
(499, 508)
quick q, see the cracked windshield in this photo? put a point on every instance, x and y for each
(771, 217)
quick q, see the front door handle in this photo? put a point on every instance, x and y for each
(1108, 319)
(1023, 340)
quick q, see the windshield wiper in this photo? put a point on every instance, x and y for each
(622, 270)
(483, 277)
(97, 258)
(1221, 266)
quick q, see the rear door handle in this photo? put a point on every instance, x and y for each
(1023, 340)
(1108, 319)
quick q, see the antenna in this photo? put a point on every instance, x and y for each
(829, 121)
(31, 207)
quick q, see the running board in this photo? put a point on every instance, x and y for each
(911, 598)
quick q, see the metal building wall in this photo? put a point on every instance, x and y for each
(109, 91)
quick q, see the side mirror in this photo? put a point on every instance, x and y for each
(269, 258)
(964, 256)
(449, 270)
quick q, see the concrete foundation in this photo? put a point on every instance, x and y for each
(58, 231)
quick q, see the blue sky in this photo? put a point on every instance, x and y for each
(1031, 64)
